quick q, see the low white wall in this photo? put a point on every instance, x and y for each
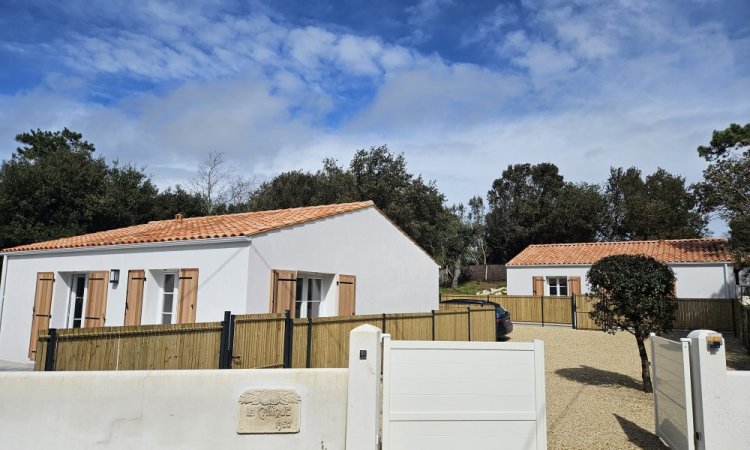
(164, 409)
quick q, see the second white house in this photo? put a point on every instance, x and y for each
(703, 267)
(314, 261)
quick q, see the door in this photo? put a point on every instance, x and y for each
(283, 290)
(347, 295)
(188, 294)
(96, 303)
(42, 307)
(538, 286)
(134, 297)
(574, 285)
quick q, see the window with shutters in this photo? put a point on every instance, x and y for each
(77, 302)
(558, 285)
(169, 298)
(308, 297)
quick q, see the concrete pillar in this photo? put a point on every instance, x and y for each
(708, 373)
(364, 401)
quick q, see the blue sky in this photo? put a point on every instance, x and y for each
(462, 88)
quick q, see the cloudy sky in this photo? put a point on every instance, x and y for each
(462, 88)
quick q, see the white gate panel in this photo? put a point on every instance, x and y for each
(449, 395)
(673, 399)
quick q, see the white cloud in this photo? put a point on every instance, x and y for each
(598, 85)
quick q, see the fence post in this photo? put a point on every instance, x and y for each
(309, 341)
(541, 299)
(734, 316)
(288, 332)
(49, 360)
(223, 343)
(573, 311)
(433, 324)
(468, 315)
(230, 342)
(384, 317)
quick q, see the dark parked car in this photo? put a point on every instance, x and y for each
(502, 317)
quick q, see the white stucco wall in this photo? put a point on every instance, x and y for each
(222, 284)
(393, 274)
(520, 279)
(693, 280)
(164, 409)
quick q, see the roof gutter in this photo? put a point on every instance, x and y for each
(694, 263)
(161, 244)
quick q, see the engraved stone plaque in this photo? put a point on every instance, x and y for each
(262, 411)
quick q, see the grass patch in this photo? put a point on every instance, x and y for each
(472, 287)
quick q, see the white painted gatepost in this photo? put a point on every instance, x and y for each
(450, 395)
(698, 403)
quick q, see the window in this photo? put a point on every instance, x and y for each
(169, 298)
(77, 301)
(558, 285)
(308, 297)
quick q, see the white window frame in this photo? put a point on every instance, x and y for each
(557, 286)
(305, 293)
(70, 320)
(175, 297)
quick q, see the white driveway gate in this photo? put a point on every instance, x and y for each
(474, 395)
(673, 399)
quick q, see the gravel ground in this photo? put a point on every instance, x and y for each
(594, 396)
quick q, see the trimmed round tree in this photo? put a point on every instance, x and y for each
(636, 294)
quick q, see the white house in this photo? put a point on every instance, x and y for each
(314, 261)
(703, 267)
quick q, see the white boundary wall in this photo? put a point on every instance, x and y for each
(164, 409)
(451, 395)
(438, 395)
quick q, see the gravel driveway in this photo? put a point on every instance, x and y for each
(594, 396)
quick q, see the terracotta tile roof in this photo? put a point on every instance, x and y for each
(670, 251)
(229, 225)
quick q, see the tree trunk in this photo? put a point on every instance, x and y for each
(486, 270)
(645, 372)
(456, 274)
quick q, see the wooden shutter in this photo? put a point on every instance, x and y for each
(96, 303)
(574, 285)
(188, 302)
(42, 307)
(538, 286)
(134, 297)
(283, 290)
(347, 294)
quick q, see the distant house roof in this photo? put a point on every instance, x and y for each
(210, 227)
(668, 251)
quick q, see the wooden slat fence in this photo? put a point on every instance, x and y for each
(584, 305)
(259, 340)
(146, 347)
(711, 313)
(718, 314)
